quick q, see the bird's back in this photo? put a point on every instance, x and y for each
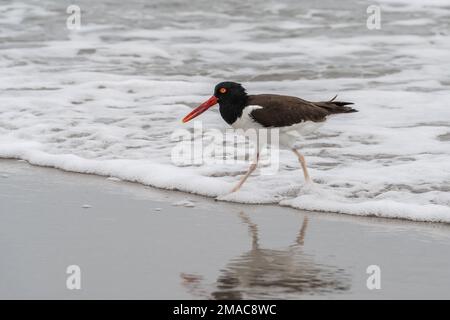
(282, 111)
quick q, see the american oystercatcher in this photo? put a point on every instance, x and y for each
(292, 116)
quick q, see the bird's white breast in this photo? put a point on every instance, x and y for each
(288, 135)
(245, 121)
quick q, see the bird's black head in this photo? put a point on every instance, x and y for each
(232, 100)
(231, 97)
(231, 93)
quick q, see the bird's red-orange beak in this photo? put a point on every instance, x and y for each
(200, 109)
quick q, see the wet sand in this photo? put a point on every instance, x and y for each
(136, 242)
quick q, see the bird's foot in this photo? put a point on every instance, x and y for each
(309, 186)
(236, 188)
(225, 196)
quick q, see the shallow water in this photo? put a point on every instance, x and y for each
(106, 99)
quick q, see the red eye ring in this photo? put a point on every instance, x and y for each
(222, 90)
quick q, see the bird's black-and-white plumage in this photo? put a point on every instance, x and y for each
(291, 116)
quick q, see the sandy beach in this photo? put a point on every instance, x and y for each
(121, 137)
(132, 241)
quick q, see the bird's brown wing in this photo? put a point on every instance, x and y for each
(281, 111)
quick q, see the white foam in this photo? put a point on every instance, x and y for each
(106, 99)
(184, 203)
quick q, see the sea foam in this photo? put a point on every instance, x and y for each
(106, 99)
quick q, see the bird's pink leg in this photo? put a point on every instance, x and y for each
(249, 172)
(302, 160)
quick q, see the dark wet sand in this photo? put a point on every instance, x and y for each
(131, 241)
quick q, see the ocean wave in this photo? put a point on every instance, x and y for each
(106, 99)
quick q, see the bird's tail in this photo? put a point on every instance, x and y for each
(333, 106)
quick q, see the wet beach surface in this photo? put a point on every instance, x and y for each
(143, 243)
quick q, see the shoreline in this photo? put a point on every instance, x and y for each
(136, 242)
(226, 198)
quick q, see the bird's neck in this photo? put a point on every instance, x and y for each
(231, 109)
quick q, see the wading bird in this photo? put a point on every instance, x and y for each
(292, 116)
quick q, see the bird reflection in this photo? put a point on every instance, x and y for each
(271, 273)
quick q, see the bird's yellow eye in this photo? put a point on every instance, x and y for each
(222, 90)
